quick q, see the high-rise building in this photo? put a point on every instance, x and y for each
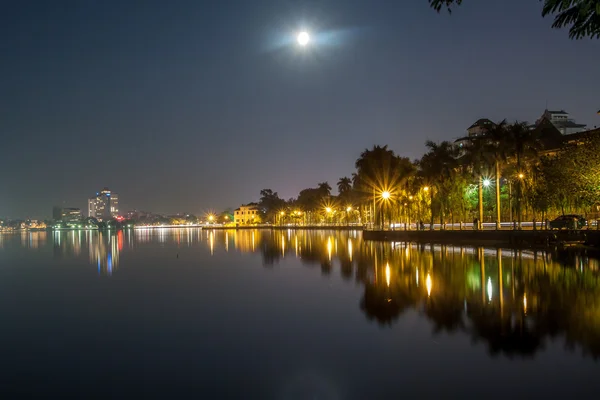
(104, 205)
(57, 213)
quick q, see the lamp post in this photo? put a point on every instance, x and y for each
(519, 198)
(385, 195)
(348, 211)
(429, 190)
(485, 183)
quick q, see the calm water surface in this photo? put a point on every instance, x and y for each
(291, 315)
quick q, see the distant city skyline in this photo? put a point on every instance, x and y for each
(181, 108)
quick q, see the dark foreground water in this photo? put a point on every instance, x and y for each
(291, 315)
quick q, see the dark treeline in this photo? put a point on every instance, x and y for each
(510, 173)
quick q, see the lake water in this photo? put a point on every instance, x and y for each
(291, 315)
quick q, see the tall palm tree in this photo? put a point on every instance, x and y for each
(524, 144)
(477, 158)
(438, 166)
(324, 188)
(499, 148)
(344, 185)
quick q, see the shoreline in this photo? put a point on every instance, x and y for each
(523, 239)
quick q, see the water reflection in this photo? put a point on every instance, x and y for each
(27, 239)
(513, 301)
(103, 248)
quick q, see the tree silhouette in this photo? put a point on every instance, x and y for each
(582, 16)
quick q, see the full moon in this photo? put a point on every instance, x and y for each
(303, 38)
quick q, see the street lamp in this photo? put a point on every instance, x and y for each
(521, 175)
(426, 188)
(328, 210)
(385, 195)
(487, 182)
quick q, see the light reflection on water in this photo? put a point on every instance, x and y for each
(480, 290)
(517, 303)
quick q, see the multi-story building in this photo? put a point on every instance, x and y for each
(479, 128)
(104, 205)
(562, 122)
(70, 214)
(247, 215)
(57, 213)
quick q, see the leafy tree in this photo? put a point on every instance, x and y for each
(270, 203)
(582, 16)
(379, 170)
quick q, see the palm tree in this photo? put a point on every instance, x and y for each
(438, 166)
(324, 188)
(378, 170)
(523, 142)
(499, 148)
(344, 185)
(477, 158)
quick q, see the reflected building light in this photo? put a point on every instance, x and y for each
(253, 241)
(489, 289)
(525, 303)
(350, 249)
(428, 284)
(283, 245)
(226, 241)
(417, 276)
(387, 274)
(329, 247)
(211, 241)
(296, 244)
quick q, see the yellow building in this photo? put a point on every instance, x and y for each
(247, 215)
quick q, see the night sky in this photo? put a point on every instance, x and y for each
(190, 106)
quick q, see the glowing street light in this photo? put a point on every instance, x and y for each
(426, 188)
(487, 182)
(521, 175)
(348, 209)
(211, 218)
(328, 210)
(303, 38)
(385, 195)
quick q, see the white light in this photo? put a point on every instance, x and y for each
(486, 182)
(303, 38)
